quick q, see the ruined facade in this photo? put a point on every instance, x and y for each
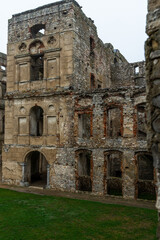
(3, 62)
(153, 88)
(75, 108)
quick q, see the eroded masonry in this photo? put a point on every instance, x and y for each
(3, 62)
(153, 89)
(75, 109)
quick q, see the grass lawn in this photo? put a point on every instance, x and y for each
(32, 217)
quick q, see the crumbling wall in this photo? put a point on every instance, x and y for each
(2, 93)
(152, 49)
(88, 98)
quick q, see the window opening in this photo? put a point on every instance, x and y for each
(84, 125)
(141, 121)
(145, 183)
(136, 70)
(114, 122)
(92, 81)
(114, 173)
(37, 69)
(36, 121)
(38, 30)
(84, 171)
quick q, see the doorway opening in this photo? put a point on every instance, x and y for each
(36, 169)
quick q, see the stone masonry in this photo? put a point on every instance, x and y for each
(75, 117)
(153, 88)
(3, 62)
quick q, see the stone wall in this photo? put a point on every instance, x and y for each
(2, 93)
(153, 88)
(76, 101)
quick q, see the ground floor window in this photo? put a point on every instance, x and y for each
(113, 173)
(84, 170)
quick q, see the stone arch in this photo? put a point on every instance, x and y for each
(36, 121)
(113, 173)
(37, 30)
(36, 169)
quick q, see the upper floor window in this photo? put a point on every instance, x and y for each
(141, 121)
(36, 121)
(92, 81)
(37, 68)
(38, 30)
(84, 125)
(114, 122)
(92, 45)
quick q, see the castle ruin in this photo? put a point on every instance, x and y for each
(75, 109)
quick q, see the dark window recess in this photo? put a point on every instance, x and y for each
(114, 174)
(141, 121)
(84, 125)
(36, 121)
(114, 122)
(84, 172)
(93, 83)
(145, 183)
(38, 30)
(145, 167)
(3, 124)
(114, 165)
(115, 60)
(37, 69)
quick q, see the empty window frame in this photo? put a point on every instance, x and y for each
(114, 122)
(136, 70)
(92, 45)
(84, 170)
(37, 68)
(92, 81)
(141, 121)
(38, 30)
(113, 173)
(36, 121)
(145, 176)
(84, 125)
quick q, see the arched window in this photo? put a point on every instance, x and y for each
(38, 30)
(36, 121)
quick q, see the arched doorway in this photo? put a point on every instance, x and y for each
(36, 170)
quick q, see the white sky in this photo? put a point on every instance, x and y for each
(120, 22)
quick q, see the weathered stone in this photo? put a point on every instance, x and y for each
(75, 107)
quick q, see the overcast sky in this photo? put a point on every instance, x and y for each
(120, 22)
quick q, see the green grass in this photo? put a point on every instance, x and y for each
(32, 217)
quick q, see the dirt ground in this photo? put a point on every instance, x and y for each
(83, 196)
